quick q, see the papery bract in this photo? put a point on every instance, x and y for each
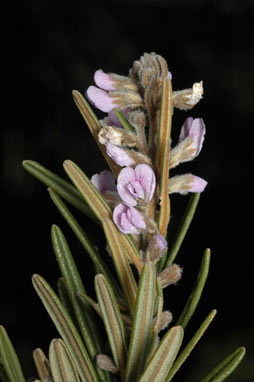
(119, 155)
(128, 219)
(104, 181)
(137, 184)
(194, 129)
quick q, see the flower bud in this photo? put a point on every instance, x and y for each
(119, 155)
(170, 275)
(116, 136)
(186, 99)
(100, 99)
(183, 184)
(104, 362)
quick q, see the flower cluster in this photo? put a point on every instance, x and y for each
(131, 142)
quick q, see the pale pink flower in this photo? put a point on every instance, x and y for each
(104, 181)
(119, 155)
(128, 219)
(194, 129)
(134, 185)
(100, 99)
(198, 184)
(103, 80)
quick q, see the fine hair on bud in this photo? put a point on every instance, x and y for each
(170, 275)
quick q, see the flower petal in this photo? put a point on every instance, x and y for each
(128, 219)
(198, 184)
(103, 80)
(145, 175)
(100, 99)
(118, 155)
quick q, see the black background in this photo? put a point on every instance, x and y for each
(52, 47)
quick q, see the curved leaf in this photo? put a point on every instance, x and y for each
(62, 366)
(225, 367)
(9, 358)
(41, 364)
(189, 347)
(112, 321)
(66, 329)
(85, 241)
(59, 185)
(196, 293)
(142, 323)
(163, 358)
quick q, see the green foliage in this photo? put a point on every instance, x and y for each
(130, 306)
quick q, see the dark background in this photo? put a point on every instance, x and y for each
(52, 47)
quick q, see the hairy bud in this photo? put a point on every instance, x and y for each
(104, 362)
(186, 99)
(170, 275)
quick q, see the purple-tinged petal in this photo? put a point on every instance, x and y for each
(194, 129)
(145, 175)
(137, 184)
(198, 184)
(118, 155)
(104, 181)
(160, 243)
(128, 219)
(103, 80)
(170, 75)
(100, 99)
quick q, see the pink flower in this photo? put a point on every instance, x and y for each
(134, 185)
(120, 156)
(128, 219)
(103, 80)
(194, 129)
(198, 184)
(104, 181)
(100, 99)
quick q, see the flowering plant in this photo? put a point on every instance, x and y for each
(132, 205)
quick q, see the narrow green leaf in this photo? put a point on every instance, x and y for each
(162, 360)
(183, 229)
(84, 314)
(65, 299)
(124, 121)
(62, 366)
(94, 126)
(41, 364)
(85, 241)
(225, 367)
(163, 153)
(190, 346)
(66, 329)
(196, 293)
(84, 298)
(142, 323)
(60, 186)
(121, 262)
(9, 358)
(90, 193)
(112, 320)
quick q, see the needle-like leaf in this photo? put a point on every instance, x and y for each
(112, 321)
(60, 186)
(190, 346)
(90, 193)
(142, 323)
(195, 295)
(94, 127)
(121, 262)
(225, 367)
(162, 360)
(124, 121)
(182, 230)
(163, 153)
(62, 366)
(65, 299)
(9, 358)
(74, 285)
(66, 329)
(85, 241)
(42, 364)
